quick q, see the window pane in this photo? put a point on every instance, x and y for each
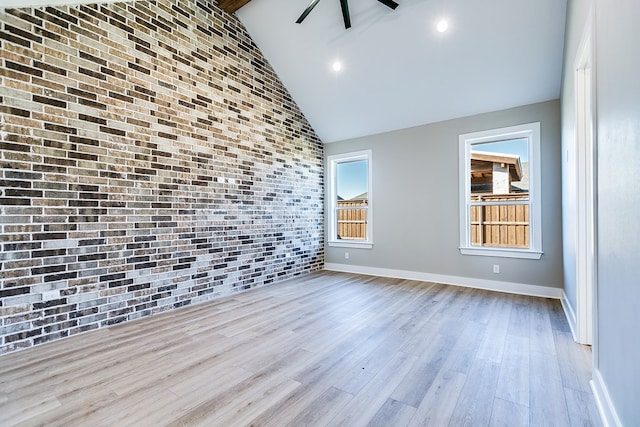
(500, 175)
(352, 223)
(503, 225)
(500, 167)
(352, 199)
(352, 180)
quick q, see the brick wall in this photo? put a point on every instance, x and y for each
(149, 158)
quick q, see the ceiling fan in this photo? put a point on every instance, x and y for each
(345, 10)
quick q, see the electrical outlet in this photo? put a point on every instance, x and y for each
(496, 268)
(346, 255)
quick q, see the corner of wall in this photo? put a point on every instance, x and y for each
(607, 410)
(570, 314)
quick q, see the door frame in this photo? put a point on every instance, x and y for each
(586, 185)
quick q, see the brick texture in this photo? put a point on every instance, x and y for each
(150, 158)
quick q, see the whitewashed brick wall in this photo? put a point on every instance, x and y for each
(150, 158)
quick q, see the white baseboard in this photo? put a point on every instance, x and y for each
(491, 285)
(608, 412)
(570, 315)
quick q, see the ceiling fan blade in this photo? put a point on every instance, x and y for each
(389, 3)
(307, 11)
(345, 14)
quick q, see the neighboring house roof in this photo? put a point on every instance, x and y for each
(482, 171)
(482, 165)
(360, 197)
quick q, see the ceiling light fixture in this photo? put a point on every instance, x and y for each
(344, 5)
(442, 26)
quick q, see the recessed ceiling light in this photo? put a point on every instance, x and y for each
(336, 66)
(442, 26)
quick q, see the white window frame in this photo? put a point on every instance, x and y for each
(332, 196)
(531, 131)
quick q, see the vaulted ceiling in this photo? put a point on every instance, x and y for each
(397, 70)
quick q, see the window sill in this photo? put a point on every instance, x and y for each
(343, 244)
(502, 252)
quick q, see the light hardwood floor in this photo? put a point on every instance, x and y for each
(324, 349)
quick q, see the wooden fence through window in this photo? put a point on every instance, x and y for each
(352, 219)
(504, 225)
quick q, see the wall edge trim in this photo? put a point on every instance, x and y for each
(569, 314)
(468, 282)
(607, 410)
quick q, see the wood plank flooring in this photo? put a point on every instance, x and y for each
(327, 349)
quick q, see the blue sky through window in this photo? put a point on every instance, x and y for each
(519, 147)
(352, 178)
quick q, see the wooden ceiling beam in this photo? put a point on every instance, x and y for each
(231, 6)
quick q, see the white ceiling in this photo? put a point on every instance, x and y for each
(398, 71)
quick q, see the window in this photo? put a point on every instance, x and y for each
(500, 211)
(349, 194)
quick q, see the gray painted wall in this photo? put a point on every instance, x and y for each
(415, 200)
(618, 103)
